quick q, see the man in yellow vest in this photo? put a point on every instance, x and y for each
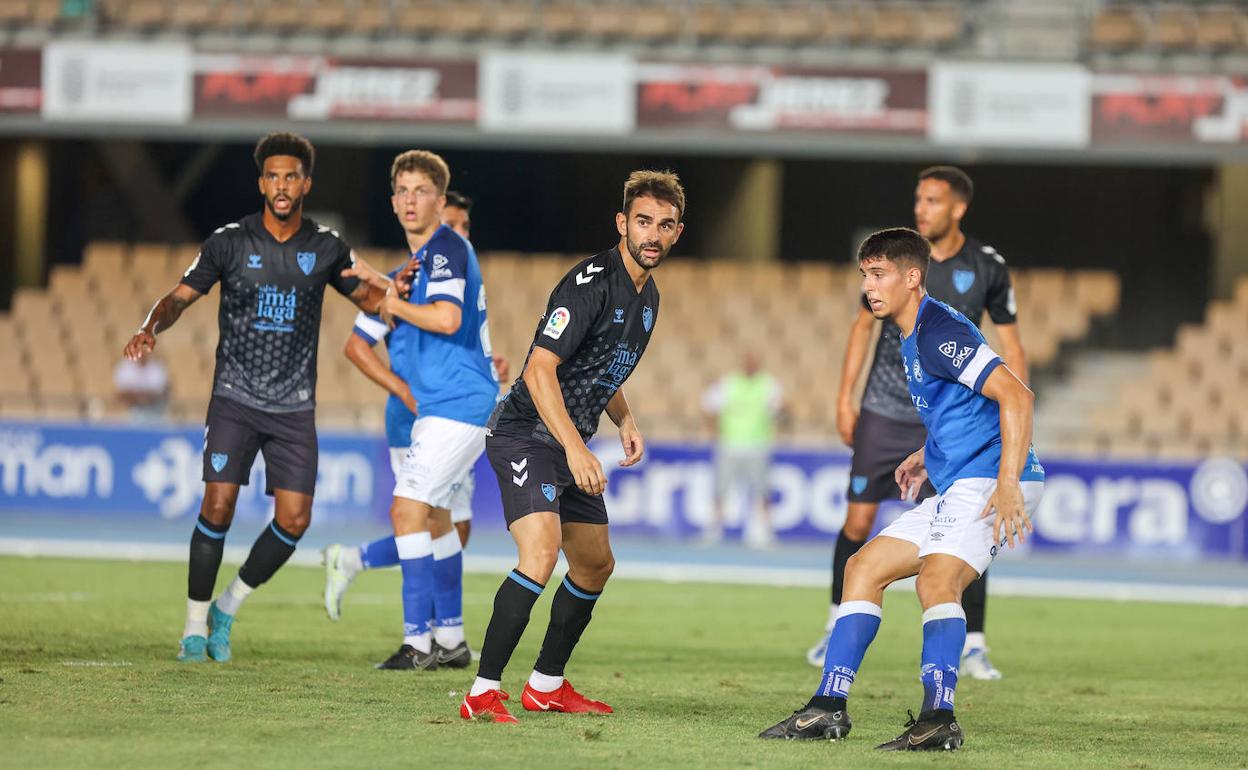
(744, 407)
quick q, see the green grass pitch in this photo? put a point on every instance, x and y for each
(693, 671)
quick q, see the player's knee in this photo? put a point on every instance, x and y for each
(935, 588)
(602, 568)
(217, 509)
(862, 574)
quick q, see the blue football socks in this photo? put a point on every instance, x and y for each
(380, 553)
(856, 626)
(944, 632)
(416, 562)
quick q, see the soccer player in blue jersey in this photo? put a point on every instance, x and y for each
(979, 458)
(342, 564)
(440, 348)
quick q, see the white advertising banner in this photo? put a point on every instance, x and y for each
(1018, 105)
(557, 93)
(117, 82)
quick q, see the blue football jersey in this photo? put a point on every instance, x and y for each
(946, 363)
(451, 375)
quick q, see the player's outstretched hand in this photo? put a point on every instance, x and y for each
(634, 444)
(404, 278)
(586, 470)
(142, 343)
(365, 272)
(846, 421)
(910, 476)
(1012, 519)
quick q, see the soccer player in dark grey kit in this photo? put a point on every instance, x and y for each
(972, 278)
(597, 324)
(273, 267)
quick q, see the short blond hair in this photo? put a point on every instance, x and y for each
(428, 163)
(660, 185)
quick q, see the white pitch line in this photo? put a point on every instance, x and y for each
(671, 573)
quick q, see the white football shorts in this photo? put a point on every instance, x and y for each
(951, 523)
(437, 469)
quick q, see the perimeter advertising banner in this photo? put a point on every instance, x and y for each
(767, 98)
(1176, 511)
(1183, 109)
(117, 82)
(320, 88)
(21, 88)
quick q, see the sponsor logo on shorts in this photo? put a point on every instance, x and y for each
(558, 321)
(548, 491)
(219, 460)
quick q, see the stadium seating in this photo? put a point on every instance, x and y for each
(1170, 28)
(1188, 401)
(742, 23)
(69, 337)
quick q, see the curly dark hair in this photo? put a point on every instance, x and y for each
(285, 143)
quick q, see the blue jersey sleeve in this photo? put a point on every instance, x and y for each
(952, 350)
(370, 328)
(448, 271)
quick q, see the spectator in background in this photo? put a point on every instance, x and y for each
(744, 407)
(143, 387)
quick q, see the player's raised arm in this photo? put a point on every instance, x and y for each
(855, 358)
(540, 375)
(630, 437)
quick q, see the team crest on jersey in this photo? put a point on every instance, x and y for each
(963, 280)
(307, 261)
(219, 460)
(647, 318)
(858, 484)
(558, 321)
(548, 491)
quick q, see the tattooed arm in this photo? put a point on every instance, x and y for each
(163, 315)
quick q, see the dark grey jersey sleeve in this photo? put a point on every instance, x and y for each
(1002, 308)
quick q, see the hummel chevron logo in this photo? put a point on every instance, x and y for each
(519, 480)
(517, 467)
(588, 275)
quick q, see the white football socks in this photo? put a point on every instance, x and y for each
(448, 637)
(832, 610)
(544, 683)
(422, 642)
(480, 685)
(196, 618)
(975, 640)
(234, 596)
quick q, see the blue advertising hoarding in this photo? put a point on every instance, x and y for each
(1179, 510)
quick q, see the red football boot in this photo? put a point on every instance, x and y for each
(565, 699)
(488, 702)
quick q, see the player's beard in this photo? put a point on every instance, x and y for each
(635, 250)
(296, 205)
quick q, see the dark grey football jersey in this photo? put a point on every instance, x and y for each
(599, 325)
(972, 281)
(270, 315)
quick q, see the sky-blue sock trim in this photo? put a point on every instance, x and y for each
(579, 593)
(280, 536)
(214, 535)
(522, 580)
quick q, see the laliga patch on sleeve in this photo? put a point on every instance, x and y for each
(559, 318)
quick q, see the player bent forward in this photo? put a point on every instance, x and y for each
(978, 455)
(596, 327)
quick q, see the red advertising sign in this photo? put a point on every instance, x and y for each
(21, 88)
(323, 88)
(1169, 108)
(764, 98)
